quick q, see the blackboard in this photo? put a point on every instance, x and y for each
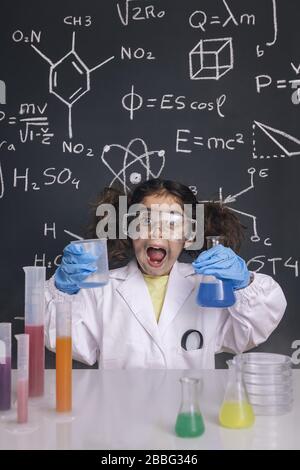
(204, 92)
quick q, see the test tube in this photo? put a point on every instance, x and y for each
(22, 378)
(5, 366)
(63, 356)
(34, 326)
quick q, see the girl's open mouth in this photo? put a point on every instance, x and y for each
(156, 256)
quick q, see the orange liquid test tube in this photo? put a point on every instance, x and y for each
(63, 357)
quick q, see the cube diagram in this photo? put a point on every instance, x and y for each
(210, 59)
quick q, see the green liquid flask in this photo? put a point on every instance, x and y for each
(189, 421)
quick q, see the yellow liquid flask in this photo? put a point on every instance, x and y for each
(236, 411)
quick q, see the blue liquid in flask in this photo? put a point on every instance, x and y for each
(217, 294)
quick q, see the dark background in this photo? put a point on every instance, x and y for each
(99, 119)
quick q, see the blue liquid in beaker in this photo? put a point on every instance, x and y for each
(218, 294)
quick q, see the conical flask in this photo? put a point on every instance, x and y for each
(189, 421)
(236, 411)
(215, 292)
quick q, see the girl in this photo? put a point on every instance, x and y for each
(147, 315)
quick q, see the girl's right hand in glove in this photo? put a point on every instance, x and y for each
(75, 266)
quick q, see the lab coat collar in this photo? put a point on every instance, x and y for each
(124, 272)
(135, 293)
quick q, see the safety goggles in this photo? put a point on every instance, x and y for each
(159, 224)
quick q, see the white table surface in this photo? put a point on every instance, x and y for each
(137, 409)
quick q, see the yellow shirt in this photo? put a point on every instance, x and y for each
(157, 286)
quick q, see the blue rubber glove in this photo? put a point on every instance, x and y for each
(224, 264)
(75, 266)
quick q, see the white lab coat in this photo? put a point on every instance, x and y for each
(116, 324)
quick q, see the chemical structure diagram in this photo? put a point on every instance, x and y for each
(69, 78)
(231, 198)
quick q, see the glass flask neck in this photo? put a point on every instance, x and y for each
(236, 389)
(235, 369)
(189, 394)
(214, 240)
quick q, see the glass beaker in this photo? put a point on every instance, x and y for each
(236, 411)
(98, 248)
(215, 292)
(189, 422)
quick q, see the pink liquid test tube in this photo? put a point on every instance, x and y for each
(5, 366)
(34, 326)
(22, 378)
